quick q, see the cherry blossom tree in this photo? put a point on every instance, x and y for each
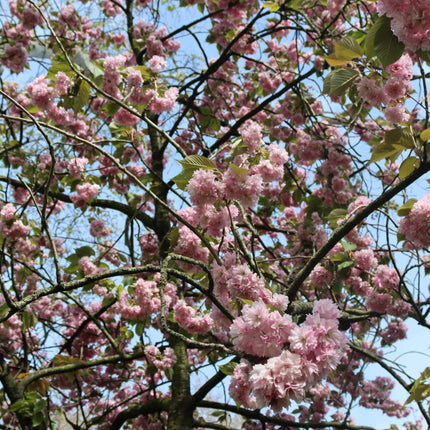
(206, 218)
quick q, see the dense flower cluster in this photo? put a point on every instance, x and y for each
(409, 21)
(300, 356)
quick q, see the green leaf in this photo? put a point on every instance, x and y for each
(406, 208)
(385, 151)
(228, 368)
(181, 180)
(336, 215)
(387, 47)
(29, 319)
(82, 97)
(347, 49)
(85, 251)
(345, 265)
(408, 166)
(38, 418)
(339, 81)
(425, 135)
(82, 59)
(424, 55)
(370, 38)
(196, 162)
(111, 108)
(399, 136)
(239, 171)
(271, 5)
(348, 247)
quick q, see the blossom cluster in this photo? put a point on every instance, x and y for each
(299, 356)
(409, 21)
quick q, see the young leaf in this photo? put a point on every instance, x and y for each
(385, 151)
(341, 80)
(196, 162)
(347, 48)
(408, 166)
(83, 96)
(406, 208)
(425, 135)
(181, 180)
(228, 368)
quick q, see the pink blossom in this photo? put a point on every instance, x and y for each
(260, 332)
(251, 135)
(161, 360)
(166, 103)
(240, 385)
(397, 88)
(69, 16)
(88, 267)
(8, 212)
(365, 259)
(62, 83)
(409, 23)
(85, 192)
(125, 117)
(98, 228)
(77, 166)
(360, 203)
(203, 187)
(278, 381)
(244, 188)
(186, 317)
(15, 57)
(416, 225)
(320, 276)
(31, 18)
(40, 93)
(378, 302)
(386, 278)
(397, 114)
(395, 330)
(157, 63)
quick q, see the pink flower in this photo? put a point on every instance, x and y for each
(416, 225)
(186, 317)
(397, 114)
(386, 278)
(244, 188)
(251, 135)
(125, 117)
(157, 63)
(166, 103)
(69, 16)
(260, 332)
(8, 212)
(98, 228)
(63, 83)
(365, 259)
(15, 57)
(77, 166)
(378, 302)
(40, 93)
(395, 330)
(85, 192)
(161, 360)
(203, 187)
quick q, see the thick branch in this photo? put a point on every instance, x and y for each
(347, 226)
(256, 415)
